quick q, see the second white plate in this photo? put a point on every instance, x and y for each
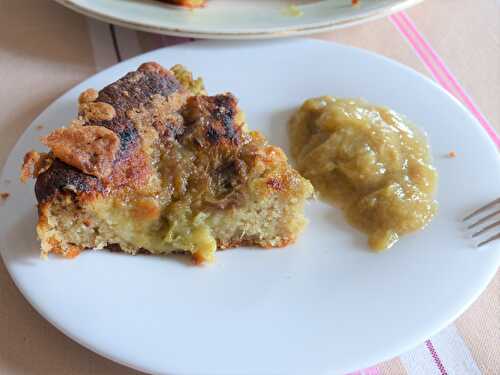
(324, 305)
(237, 19)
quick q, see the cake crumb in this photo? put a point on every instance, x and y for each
(4, 196)
(452, 154)
(39, 127)
(88, 96)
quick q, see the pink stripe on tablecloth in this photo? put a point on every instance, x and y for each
(439, 70)
(367, 371)
(371, 371)
(435, 357)
(419, 51)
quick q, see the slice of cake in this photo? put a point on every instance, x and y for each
(152, 164)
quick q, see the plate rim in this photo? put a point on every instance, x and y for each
(242, 35)
(431, 330)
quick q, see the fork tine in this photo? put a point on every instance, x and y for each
(480, 221)
(482, 209)
(487, 228)
(493, 238)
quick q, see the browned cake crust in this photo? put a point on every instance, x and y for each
(132, 92)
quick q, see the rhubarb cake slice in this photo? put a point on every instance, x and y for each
(153, 164)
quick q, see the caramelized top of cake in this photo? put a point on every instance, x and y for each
(148, 135)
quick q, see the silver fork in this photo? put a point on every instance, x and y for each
(488, 221)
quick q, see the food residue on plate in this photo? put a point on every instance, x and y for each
(368, 160)
(39, 127)
(4, 196)
(452, 154)
(293, 10)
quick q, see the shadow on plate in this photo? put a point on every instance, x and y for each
(20, 242)
(278, 130)
(337, 220)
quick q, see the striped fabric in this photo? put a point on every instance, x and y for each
(438, 69)
(453, 351)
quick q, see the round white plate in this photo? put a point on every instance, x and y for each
(237, 19)
(325, 305)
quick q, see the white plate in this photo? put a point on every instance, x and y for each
(237, 19)
(322, 306)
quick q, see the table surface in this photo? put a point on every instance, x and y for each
(46, 49)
